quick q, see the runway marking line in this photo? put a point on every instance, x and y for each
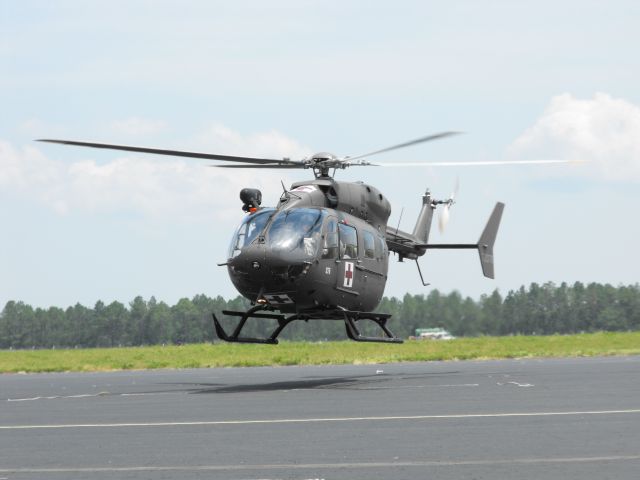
(318, 466)
(318, 420)
(88, 395)
(108, 394)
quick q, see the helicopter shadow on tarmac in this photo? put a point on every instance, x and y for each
(360, 382)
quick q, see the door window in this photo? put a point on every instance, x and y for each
(369, 244)
(380, 248)
(330, 247)
(348, 241)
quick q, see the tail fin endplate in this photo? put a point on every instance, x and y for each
(488, 238)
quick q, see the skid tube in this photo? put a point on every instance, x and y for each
(349, 317)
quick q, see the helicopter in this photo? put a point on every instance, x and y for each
(322, 253)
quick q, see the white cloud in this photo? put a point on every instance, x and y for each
(155, 187)
(26, 168)
(138, 126)
(36, 128)
(272, 144)
(603, 131)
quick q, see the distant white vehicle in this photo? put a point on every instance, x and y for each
(433, 334)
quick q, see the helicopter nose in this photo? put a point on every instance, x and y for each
(250, 260)
(259, 265)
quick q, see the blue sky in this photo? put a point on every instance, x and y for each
(522, 79)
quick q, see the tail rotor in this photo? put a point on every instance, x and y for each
(443, 220)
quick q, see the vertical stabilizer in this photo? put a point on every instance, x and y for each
(423, 224)
(488, 238)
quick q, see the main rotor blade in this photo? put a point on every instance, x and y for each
(273, 165)
(174, 153)
(475, 164)
(406, 144)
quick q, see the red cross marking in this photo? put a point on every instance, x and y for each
(348, 272)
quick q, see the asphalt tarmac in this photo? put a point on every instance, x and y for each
(515, 419)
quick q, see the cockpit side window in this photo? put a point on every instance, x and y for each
(348, 241)
(330, 247)
(249, 229)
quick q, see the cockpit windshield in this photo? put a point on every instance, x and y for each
(296, 233)
(249, 229)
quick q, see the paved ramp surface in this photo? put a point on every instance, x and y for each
(515, 419)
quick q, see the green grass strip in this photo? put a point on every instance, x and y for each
(309, 353)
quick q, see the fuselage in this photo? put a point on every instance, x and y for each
(322, 248)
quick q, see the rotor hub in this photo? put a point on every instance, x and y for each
(323, 157)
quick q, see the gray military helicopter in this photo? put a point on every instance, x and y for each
(322, 253)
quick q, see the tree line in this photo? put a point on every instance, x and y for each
(536, 310)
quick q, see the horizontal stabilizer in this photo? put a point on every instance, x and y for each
(484, 245)
(412, 246)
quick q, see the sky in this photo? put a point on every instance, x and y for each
(522, 80)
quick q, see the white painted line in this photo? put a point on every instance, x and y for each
(31, 399)
(525, 385)
(330, 466)
(317, 420)
(420, 386)
(89, 395)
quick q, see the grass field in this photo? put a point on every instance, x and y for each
(306, 353)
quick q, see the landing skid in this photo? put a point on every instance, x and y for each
(251, 313)
(349, 317)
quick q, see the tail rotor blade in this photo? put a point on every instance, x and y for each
(456, 189)
(443, 219)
